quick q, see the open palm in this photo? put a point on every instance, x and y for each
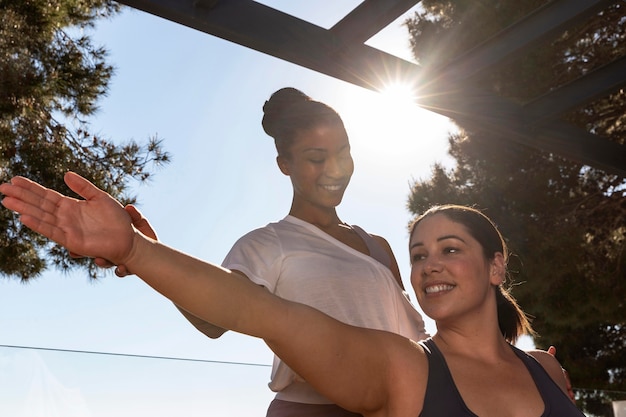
(97, 226)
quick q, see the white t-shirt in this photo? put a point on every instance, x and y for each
(297, 261)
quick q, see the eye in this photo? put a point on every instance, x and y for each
(451, 249)
(317, 161)
(416, 257)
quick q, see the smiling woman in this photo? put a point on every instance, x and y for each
(367, 371)
(312, 256)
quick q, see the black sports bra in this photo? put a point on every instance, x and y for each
(443, 399)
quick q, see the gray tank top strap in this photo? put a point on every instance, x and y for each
(377, 251)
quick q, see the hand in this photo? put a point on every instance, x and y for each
(568, 382)
(97, 226)
(140, 223)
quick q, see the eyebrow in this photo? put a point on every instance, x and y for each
(314, 150)
(439, 239)
(343, 148)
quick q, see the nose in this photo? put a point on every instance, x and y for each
(431, 265)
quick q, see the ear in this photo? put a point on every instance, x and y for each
(283, 165)
(497, 269)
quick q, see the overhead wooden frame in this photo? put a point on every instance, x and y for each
(340, 52)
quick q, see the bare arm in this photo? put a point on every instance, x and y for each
(204, 327)
(330, 355)
(143, 225)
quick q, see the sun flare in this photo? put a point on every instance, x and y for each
(399, 95)
(388, 128)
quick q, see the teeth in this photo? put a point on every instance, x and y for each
(438, 288)
(332, 187)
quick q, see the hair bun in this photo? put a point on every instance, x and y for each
(275, 109)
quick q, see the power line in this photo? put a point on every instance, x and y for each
(130, 355)
(134, 355)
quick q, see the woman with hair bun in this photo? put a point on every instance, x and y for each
(312, 256)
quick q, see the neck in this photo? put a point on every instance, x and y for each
(321, 217)
(487, 343)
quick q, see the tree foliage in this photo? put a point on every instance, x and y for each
(51, 76)
(565, 222)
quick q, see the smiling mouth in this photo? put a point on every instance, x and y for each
(434, 289)
(332, 188)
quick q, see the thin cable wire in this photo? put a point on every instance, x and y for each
(199, 360)
(134, 355)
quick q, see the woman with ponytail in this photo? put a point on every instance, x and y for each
(468, 368)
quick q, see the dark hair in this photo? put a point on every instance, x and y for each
(512, 320)
(289, 111)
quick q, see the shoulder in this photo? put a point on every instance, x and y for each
(263, 242)
(393, 264)
(382, 241)
(408, 375)
(385, 244)
(397, 371)
(262, 235)
(551, 366)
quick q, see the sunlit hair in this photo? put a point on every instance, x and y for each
(512, 320)
(290, 112)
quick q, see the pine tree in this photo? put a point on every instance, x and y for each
(51, 76)
(565, 222)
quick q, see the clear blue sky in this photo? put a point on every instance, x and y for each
(203, 97)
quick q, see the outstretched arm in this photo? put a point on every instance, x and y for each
(97, 226)
(329, 354)
(143, 225)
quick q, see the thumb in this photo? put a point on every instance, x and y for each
(135, 214)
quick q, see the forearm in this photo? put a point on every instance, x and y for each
(327, 353)
(207, 291)
(204, 327)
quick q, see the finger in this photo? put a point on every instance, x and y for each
(82, 186)
(27, 197)
(103, 263)
(568, 385)
(552, 350)
(34, 216)
(121, 271)
(140, 222)
(134, 213)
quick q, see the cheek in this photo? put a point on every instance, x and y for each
(305, 172)
(473, 271)
(350, 166)
(416, 273)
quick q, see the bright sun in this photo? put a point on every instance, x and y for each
(388, 127)
(399, 107)
(399, 95)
